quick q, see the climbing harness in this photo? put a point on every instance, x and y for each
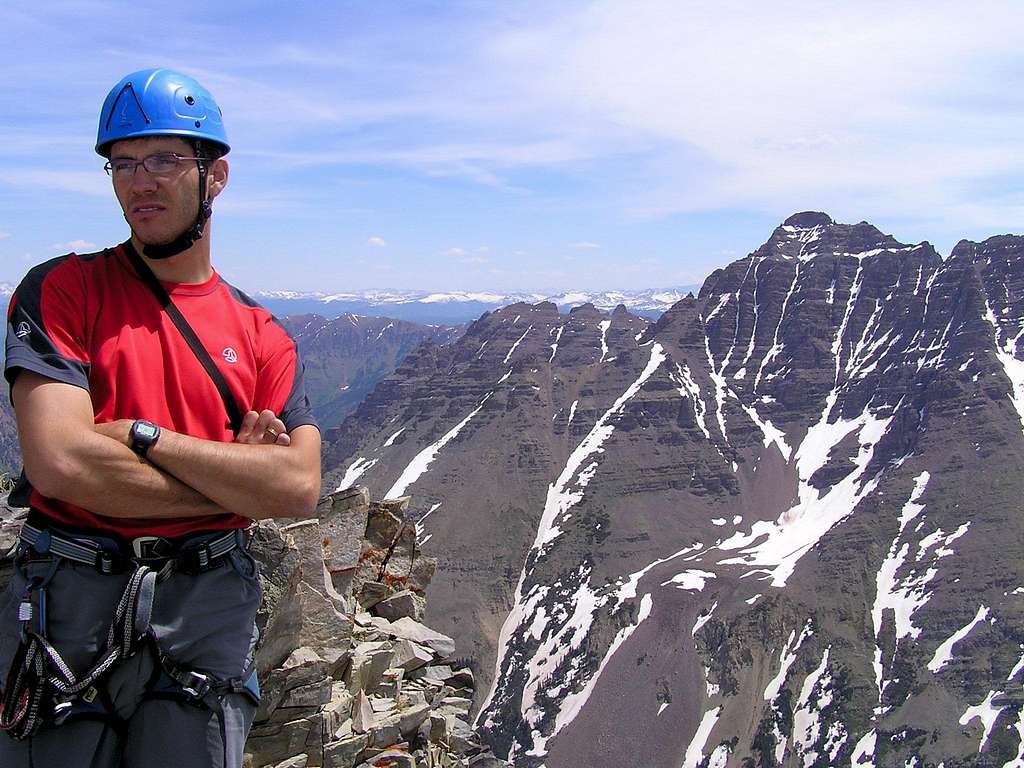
(42, 687)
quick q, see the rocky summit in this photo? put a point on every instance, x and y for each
(779, 526)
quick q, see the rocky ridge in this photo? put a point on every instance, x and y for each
(776, 527)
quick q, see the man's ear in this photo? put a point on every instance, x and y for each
(217, 177)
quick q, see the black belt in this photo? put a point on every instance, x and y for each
(154, 551)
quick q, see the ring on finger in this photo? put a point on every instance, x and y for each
(273, 432)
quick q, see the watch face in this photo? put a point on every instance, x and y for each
(146, 431)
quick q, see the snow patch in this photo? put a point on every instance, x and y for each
(687, 387)
(572, 704)
(391, 440)
(518, 341)
(784, 541)
(985, 712)
(722, 301)
(690, 580)
(355, 470)
(703, 619)
(771, 433)
(695, 751)
(864, 751)
(572, 411)
(420, 528)
(806, 717)
(554, 347)
(422, 461)
(1006, 349)
(904, 596)
(944, 653)
(605, 325)
(1016, 667)
(565, 492)
(786, 659)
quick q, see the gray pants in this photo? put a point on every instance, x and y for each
(204, 622)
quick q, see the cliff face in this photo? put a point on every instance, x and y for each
(777, 527)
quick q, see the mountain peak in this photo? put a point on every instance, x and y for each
(808, 219)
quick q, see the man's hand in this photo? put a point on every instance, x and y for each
(262, 429)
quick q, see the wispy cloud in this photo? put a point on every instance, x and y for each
(77, 246)
(464, 256)
(588, 116)
(4, 235)
(80, 182)
(786, 103)
(376, 242)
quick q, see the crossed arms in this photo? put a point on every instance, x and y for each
(69, 457)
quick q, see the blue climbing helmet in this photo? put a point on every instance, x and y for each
(160, 102)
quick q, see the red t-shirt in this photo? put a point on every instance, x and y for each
(89, 320)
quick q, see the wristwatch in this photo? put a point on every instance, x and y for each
(144, 435)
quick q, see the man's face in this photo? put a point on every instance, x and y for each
(158, 208)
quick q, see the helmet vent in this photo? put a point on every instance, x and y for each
(125, 105)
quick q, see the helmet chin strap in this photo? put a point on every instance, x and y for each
(186, 239)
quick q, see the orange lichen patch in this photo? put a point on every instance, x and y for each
(387, 761)
(394, 581)
(372, 553)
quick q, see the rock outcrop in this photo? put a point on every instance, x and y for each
(349, 674)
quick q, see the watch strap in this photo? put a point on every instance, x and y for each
(140, 444)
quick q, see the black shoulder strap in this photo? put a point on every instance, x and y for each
(144, 272)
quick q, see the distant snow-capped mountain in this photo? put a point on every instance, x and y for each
(460, 306)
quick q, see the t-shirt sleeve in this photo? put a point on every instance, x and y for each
(46, 331)
(279, 383)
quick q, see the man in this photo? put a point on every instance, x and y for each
(129, 622)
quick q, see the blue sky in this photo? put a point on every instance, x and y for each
(527, 145)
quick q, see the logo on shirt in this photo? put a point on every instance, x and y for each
(22, 330)
(230, 355)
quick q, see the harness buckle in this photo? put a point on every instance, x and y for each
(61, 710)
(152, 548)
(195, 684)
